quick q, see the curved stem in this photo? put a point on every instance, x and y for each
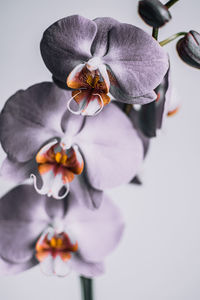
(86, 288)
(172, 37)
(170, 3)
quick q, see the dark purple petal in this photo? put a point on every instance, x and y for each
(111, 148)
(32, 117)
(136, 60)
(147, 119)
(164, 97)
(67, 43)
(150, 116)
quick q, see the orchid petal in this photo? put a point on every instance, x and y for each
(15, 171)
(24, 214)
(97, 232)
(110, 159)
(66, 44)
(165, 96)
(8, 268)
(100, 44)
(37, 115)
(85, 268)
(87, 195)
(136, 60)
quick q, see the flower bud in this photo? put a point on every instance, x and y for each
(188, 49)
(154, 13)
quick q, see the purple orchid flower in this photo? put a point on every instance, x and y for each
(60, 235)
(54, 146)
(102, 57)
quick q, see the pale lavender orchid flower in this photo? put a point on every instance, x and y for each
(103, 58)
(55, 146)
(62, 236)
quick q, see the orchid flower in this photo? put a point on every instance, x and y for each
(103, 58)
(54, 147)
(60, 236)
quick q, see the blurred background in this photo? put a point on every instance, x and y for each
(159, 256)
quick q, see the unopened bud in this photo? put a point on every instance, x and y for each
(188, 49)
(154, 13)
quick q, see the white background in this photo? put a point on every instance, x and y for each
(159, 256)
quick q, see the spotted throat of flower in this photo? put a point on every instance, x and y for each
(91, 84)
(53, 250)
(57, 167)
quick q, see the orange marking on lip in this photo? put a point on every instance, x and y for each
(65, 256)
(41, 255)
(44, 168)
(88, 83)
(59, 244)
(60, 162)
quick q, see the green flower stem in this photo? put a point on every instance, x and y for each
(86, 288)
(155, 33)
(172, 37)
(170, 3)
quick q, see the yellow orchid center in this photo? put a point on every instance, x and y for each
(57, 245)
(60, 161)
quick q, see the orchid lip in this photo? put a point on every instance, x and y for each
(58, 163)
(54, 249)
(91, 85)
(49, 193)
(83, 108)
